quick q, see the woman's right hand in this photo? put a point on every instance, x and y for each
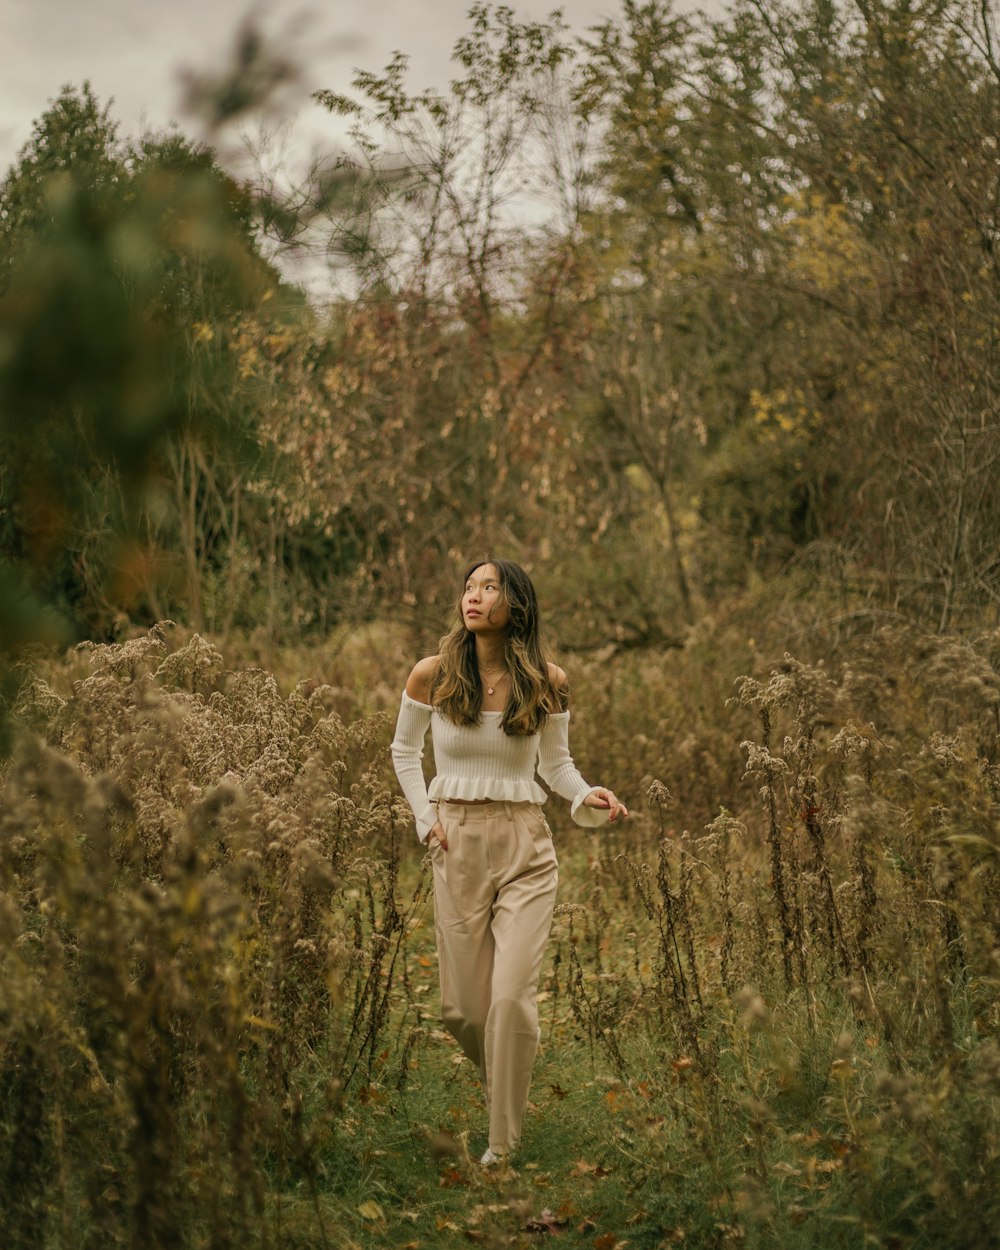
(438, 835)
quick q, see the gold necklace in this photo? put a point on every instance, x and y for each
(485, 673)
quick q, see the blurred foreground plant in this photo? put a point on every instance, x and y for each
(202, 930)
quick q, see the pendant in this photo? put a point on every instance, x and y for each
(490, 689)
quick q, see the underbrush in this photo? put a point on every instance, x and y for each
(770, 1012)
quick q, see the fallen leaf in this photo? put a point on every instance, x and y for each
(546, 1222)
(371, 1211)
(558, 1091)
(582, 1167)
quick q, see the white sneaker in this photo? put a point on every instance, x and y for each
(490, 1158)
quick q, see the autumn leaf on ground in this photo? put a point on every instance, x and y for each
(581, 1167)
(371, 1211)
(546, 1222)
(558, 1091)
(486, 1208)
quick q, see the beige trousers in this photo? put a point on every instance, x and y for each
(494, 893)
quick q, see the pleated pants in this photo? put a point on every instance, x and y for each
(494, 894)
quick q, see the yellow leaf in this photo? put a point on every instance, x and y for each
(371, 1211)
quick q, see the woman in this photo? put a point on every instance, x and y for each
(498, 710)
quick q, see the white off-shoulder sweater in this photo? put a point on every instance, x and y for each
(482, 762)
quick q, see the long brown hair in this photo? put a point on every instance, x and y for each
(456, 688)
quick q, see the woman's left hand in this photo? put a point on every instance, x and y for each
(606, 799)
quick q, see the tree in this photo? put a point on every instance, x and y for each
(813, 190)
(460, 307)
(118, 263)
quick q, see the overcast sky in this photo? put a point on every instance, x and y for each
(132, 50)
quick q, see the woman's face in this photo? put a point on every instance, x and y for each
(484, 609)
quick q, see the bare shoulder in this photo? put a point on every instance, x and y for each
(418, 684)
(560, 684)
(557, 675)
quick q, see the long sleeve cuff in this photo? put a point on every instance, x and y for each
(588, 817)
(407, 753)
(557, 770)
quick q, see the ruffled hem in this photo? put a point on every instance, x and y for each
(512, 790)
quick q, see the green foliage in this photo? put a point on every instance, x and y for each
(117, 264)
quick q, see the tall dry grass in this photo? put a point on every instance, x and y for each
(783, 972)
(203, 939)
(807, 985)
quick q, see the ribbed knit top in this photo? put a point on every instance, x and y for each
(482, 762)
